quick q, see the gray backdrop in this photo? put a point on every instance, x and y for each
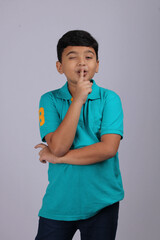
(128, 32)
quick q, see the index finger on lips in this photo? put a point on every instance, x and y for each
(81, 75)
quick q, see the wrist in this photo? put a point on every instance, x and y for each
(78, 102)
(62, 159)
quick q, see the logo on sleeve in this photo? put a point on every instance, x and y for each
(41, 116)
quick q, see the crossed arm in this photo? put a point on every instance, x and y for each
(91, 154)
(60, 141)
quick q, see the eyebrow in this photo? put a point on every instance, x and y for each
(89, 51)
(74, 52)
(71, 53)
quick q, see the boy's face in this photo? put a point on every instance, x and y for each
(76, 59)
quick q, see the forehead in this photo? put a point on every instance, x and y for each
(78, 50)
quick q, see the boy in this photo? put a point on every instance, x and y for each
(82, 125)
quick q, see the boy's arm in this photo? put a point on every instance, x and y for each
(94, 153)
(111, 133)
(91, 154)
(60, 141)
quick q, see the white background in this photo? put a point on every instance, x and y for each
(128, 32)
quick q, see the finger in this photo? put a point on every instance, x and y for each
(81, 75)
(40, 145)
(90, 90)
(88, 83)
(42, 160)
(88, 87)
(40, 152)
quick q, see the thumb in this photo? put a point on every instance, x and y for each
(40, 145)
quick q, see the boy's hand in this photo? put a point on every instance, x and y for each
(46, 155)
(83, 88)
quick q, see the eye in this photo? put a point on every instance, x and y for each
(88, 57)
(72, 57)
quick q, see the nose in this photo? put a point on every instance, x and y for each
(81, 62)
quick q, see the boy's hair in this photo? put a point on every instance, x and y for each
(76, 38)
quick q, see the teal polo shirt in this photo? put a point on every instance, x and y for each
(78, 192)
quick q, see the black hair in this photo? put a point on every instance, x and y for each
(76, 38)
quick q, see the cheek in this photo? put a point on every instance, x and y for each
(69, 67)
(94, 68)
(66, 69)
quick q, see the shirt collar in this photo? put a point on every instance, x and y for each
(64, 93)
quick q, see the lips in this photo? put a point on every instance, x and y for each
(80, 71)
(84, 71)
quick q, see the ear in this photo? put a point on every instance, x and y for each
(97, 67)
(59, 67)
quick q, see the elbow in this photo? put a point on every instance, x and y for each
(58, 151)
(110, 153)
(56, 147)
(113, 154)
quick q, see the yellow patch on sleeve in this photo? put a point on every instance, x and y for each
(41, 116)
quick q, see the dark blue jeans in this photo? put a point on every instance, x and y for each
(102, 226)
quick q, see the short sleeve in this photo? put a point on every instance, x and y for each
(48, 115)
(112, 116)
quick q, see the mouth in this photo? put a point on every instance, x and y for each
(84, 72)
